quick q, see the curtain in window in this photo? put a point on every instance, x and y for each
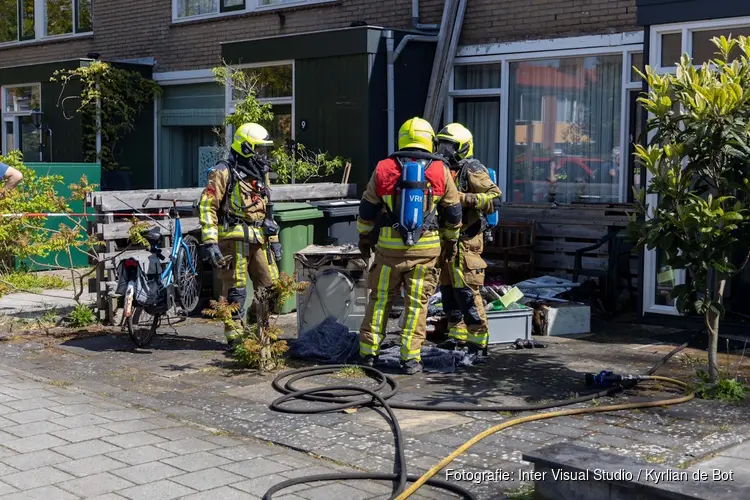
(477, 76)
(482, 117)
(564, 117)
(186, 8)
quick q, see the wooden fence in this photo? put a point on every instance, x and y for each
(114, 209)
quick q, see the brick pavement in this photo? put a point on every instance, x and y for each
(61, 443)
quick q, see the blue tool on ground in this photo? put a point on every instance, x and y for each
(608, 379)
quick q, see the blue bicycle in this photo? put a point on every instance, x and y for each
(165, 283)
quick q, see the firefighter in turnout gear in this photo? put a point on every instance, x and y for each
(411, 196)
(236, 216)
(461, 279)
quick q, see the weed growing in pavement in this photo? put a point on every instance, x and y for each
(525, 492)
(82, 315)
(655, 459)
(351, 371)
(724, 389)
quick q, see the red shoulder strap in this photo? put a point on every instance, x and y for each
(387, 175)
(435, 174)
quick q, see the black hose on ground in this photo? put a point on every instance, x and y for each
(340, 397)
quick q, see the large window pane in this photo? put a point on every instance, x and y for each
(29, 139)
(8, 21)
(565, 130)
(59, 17)
(477, 76)
(230, 5)
(10, 141)
(83, 11)
(27, 19)
(188, 8)
(636, 61)
(21, 99)
(704, 49)
(671, 49)
(271, 81)
(482, 118)
(280, 127)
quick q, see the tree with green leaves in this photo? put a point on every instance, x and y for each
(698, 156)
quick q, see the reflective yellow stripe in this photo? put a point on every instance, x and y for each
(479, 338)
(412, 315)
(458, 333)
(449, 233)
(238, 233)
(364, 227)
(274, 269)
(377, 324)
(392, 240)
(240, 267)
(208, 228)
(458, 272)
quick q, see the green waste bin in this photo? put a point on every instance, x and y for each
(296, 222)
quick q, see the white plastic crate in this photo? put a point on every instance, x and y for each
(508, 325)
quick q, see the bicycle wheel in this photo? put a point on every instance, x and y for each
(189, 282)
(142, 326)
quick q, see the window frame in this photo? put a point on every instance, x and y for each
(287, 100)
(619, 44)
(250, 6)
(40, 25)
(13, 116)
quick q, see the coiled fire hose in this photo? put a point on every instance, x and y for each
(340, 397)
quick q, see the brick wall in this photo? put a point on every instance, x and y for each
(143, 28)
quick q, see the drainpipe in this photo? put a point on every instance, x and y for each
(390, 86)
(415, 19)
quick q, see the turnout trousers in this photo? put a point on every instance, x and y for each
(418, 275)
(253, 260)
(460, 281)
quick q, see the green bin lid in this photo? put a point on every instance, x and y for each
(290, 211)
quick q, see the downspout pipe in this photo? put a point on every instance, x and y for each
(415, 19)
(390, 89)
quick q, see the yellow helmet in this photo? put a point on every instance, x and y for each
(416, 133)
(248, 137)
(460, 136)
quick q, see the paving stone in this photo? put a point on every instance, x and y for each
(5, 437)
(259, 485)
(26, 393)
(160, 490)
(313, 470)
(133, 439)
(130, 426)
(35, 478)
(142, 455)
(123, 415)
(31, 404)
(72, 399)
(606, 440)
(208, 479)
(90, 465)
(335, 490)
(80, 421)
(4, 398)
(34, 428)
(245, 452)
(256, 467)
(44, 493)
(187, 446)
(27, 461)
(86, 449)
(6, 489)
(223, 493)
(77, 409)
(82, 433)
(7, 469)
(26, 417)
(108, 496)
(98, 484)
(293, 460)
(34, 443)
(741, 451)
(148, 472)
(196, 461)
(175, 433)
(6, 409)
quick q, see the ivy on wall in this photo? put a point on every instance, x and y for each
(119, 93)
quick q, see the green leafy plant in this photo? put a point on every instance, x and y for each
(82, 315)
(110, 101)
(299, 163)
(34, 282)
(698, 157)
(351, 371)
(724, 389)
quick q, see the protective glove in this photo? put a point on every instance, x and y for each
(276, 251)
(470, 200)
(214, 254)
(496, 204)
(448, 250)
(365, 248)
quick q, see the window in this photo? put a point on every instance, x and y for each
(565, 117)
(18, 131)
(481, 115)
(20, 20)
(477, 76)
(197, 9)
(275, 85)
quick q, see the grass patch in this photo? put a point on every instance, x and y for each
(505, 413)
(351, 371)
(82, 316)
(34, 282)
(655, 459)
(60, 383)
(525, 492)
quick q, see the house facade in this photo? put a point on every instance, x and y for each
(547, 87)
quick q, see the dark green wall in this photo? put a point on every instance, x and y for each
(66, 133)
(331, 95)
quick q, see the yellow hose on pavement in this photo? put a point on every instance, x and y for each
(543, 416)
